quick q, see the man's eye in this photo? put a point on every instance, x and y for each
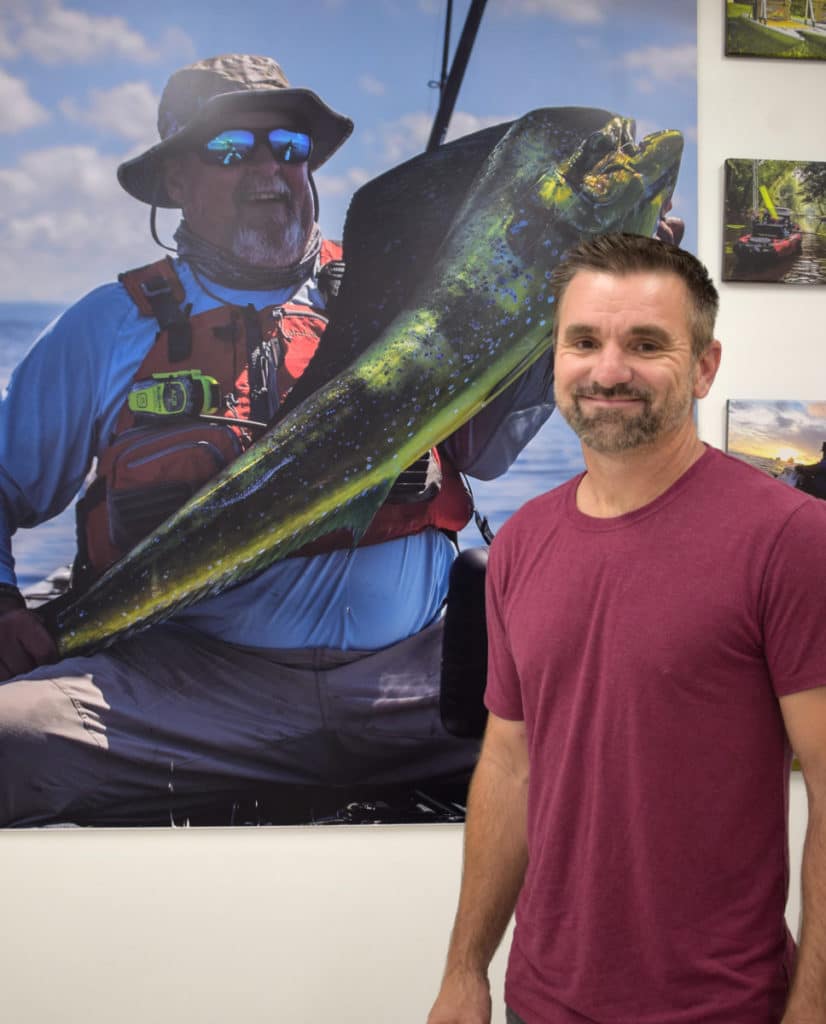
(584, 343)
(647, 346)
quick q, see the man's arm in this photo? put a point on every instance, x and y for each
(804, 714)
(494, 866)
(57, 404)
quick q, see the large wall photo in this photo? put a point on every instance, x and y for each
(601, 97)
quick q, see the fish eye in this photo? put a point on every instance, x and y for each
(594, 149)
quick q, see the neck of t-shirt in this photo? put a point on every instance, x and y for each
(620, 482)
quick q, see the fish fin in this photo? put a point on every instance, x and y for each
(350, 521)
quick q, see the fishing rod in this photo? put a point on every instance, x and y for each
(449, 87)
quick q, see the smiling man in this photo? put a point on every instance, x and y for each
(656, 648)
(323, 670)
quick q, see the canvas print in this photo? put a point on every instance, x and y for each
(236, 476)
(786, 439)
(788, 29)
(775, 221)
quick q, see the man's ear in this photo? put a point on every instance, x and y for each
(174, 177)
(706, 369)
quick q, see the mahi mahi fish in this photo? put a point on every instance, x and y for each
(480, 315)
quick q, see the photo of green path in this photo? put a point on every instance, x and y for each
(774, 226)
(786, 29)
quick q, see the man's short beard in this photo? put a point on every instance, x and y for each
(260, 249)
(280, 243)
(611, 431)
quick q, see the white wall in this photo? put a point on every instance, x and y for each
(773, 335)
(350, 924)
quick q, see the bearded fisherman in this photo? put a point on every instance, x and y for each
(322, 669)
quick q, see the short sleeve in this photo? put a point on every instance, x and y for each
(792, 602)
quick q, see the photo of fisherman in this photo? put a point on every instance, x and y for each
(214, 688)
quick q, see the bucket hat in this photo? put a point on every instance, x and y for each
(200, 94)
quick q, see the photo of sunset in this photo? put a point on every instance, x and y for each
(786, 439)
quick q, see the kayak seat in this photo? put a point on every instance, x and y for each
(465, 647)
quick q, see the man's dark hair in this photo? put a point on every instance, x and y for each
(621, 253)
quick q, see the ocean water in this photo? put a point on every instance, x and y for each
(40, 550)
(552, 457)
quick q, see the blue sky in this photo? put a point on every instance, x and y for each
(79, 88)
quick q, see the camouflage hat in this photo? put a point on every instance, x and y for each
(203, 93)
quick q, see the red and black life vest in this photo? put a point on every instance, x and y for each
(154, 464)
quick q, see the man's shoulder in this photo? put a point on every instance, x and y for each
(732, 498)
(108, 295)
(738, 481)
(102, 308)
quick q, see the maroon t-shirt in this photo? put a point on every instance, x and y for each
(646, 654)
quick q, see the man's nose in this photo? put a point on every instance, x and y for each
(612, 366)
(262, 154)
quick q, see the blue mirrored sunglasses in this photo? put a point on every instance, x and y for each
(235, 145)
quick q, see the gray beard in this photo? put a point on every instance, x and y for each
(256, 248)
(226, 267)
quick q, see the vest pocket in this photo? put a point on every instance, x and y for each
(146, 475)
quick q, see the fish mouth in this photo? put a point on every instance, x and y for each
(657, 161)
(612, 169)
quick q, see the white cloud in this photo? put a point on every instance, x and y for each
(20, 110)
(60, 175)
(372, 86)
(645, 126)
(176, 43)
(583, 12)
(600, 12)
(402, 138)
(661, 64)
(62, 211)
(53, 34)
(6, 45)
(407, 136)
(464, 124)
(341, 184)
(587, 43)
(129, 111)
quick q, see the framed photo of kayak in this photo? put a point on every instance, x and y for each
(784, 29)
(784, 438)
(774, 226)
